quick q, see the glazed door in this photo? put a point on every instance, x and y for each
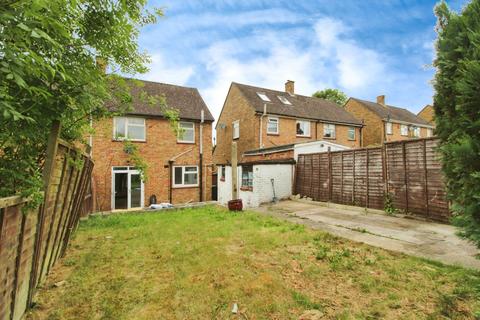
(127, 188)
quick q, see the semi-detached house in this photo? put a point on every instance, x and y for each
(385, 123)
(258, 118)
(179, 165)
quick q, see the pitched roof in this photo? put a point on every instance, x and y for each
(394, 113)
(186, 100)
(302, 106)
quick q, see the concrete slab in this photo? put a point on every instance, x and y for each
(414, 237)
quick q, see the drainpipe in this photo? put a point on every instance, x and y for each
(170, 184)
(202, 116)
(261, 124)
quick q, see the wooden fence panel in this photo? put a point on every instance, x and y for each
(410, 171)
(31, 240)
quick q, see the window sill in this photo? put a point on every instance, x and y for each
(185, 187)
(246, 188)
(352, 139)
(236, 138)
(185, 142)
(123, 140)
(272, 134)
(300, 136)
(331, 138)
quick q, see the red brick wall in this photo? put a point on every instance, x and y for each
(288, 154)
(160, 146)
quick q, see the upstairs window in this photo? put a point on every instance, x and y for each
(329, 130)
(263, 96)
(351, 133)
(129, 128)
(303, 128)
(185, 176)
(247, 177)
(284, 100)
(272, 125)
(404, 130)
(187, 132)
(389, 128)
(236, 129)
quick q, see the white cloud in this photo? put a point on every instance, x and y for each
(327, 58)
(164, 71)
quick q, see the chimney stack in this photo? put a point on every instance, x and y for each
(290, 87)
(381, 100)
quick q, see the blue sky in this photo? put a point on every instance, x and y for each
(364, 48)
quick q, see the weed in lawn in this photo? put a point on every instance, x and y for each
(305, 302)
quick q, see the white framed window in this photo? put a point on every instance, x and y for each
(429, 132)
(303, 128)
(186, 133)
(222, 173)
(329, 130)
(416, 132)
(284, 100)
(404, 130)
(272, 125)
(263, 96)
(236, 129)
(185, 176)
(389, 128)
(247, 177)
(351, 133)
(129, 128)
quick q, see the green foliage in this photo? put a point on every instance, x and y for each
(333, 95)
(457, 112)
(48, 71)
(136, 159)
(388, 205)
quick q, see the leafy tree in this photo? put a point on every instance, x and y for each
(457, 111)
(333, 95)
(49, 51)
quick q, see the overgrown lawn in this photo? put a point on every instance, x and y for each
(196, 263)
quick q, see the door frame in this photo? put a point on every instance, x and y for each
(129, 171)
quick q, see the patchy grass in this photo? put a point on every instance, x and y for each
(196, 263)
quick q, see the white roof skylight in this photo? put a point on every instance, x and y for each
(284, 100)
(263, 96)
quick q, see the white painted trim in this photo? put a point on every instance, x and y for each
(187, 141)
(126, 129)
(233, 129)
(309, 128)
(278, 125)
(129, 173)
(182, 185)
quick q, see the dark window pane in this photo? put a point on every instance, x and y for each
(178, 175)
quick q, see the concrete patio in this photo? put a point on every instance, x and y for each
(414, 237)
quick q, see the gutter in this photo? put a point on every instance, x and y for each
(409, 123)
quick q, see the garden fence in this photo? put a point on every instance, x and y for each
(32, 240)
(408, 172)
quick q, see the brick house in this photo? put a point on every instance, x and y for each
(384, 123)
(263, 118)
(176, 171)
(427, 114)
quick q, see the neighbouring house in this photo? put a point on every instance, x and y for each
(179, 165)
(384, 123)
(427, 114)
(262, 118)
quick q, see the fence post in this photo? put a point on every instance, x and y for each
(427, 206)
(353, 183)
(367, 200)
(341, 178)
(330, 180)
(406, 174)
(385, 169)
(52, 146)
(18, 260)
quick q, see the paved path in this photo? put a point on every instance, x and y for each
(418, 238)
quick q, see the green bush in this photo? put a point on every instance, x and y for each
(457, 111)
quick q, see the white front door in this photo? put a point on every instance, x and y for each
(127, 188)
